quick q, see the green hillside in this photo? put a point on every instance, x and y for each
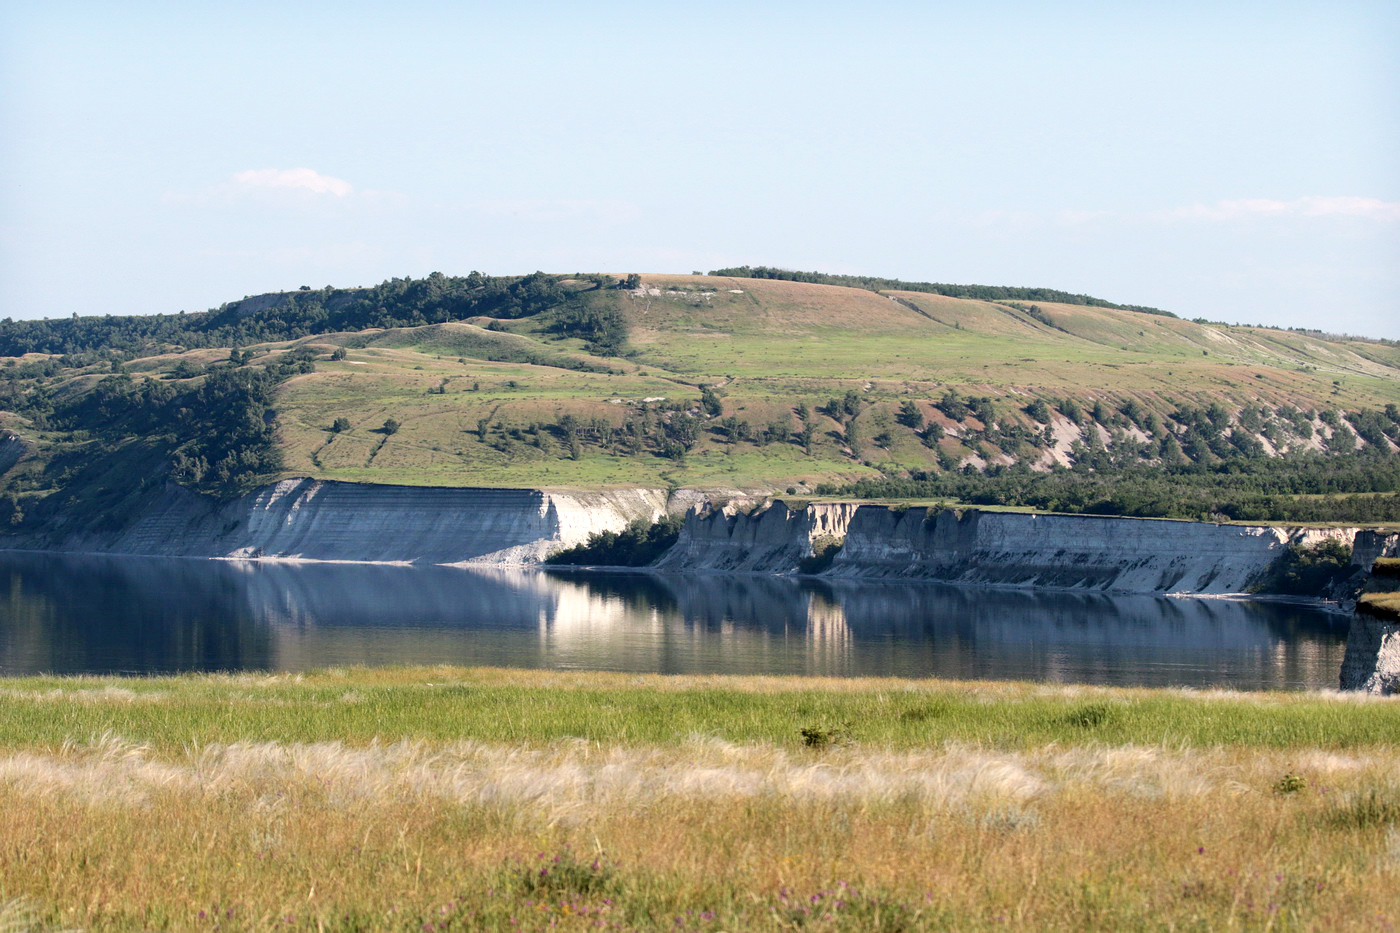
(719, 381)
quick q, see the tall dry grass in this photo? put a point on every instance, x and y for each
(697, 834)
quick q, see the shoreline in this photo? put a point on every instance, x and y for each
(1327, 605)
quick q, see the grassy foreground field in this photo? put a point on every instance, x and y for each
(439, 798)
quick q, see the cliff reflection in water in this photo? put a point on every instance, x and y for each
(70, 614)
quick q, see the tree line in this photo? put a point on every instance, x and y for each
(1315, 487)
(398, 302)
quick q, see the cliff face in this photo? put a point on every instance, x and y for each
(1372, 661)
(1105, 554)
(327, 521)
(313, 520)
(769, 540)
(1067, 551)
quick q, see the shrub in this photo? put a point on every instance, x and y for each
(825, 736)
(637, 545)
(824, 551)
(1309, 570)
(565, 874)
(1090, 716)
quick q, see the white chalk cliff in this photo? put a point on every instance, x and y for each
(1372, 660)
(1082, 552)
(307, 519)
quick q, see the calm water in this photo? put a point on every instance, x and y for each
(137, 615)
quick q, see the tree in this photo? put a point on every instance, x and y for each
(709, 401)
(910, 416)
(953, 406)
(850, 403)
(341, 425)
(390, 426)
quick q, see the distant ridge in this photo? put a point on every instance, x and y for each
(981, 292)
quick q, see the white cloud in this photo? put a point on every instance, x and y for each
(296, 179)
(1314, 206)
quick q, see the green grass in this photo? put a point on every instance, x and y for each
(361, 706)
(792, 329)
(1381, 605)
(481, 799)
(769, 346)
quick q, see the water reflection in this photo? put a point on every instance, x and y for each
(90, 614)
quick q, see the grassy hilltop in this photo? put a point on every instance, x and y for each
(718, 381)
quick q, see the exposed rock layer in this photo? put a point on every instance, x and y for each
(1063, 551)
(769, 540)
(1372, 661)
(314, 520)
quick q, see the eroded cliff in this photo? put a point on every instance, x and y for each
(1106, 554)
(773, 539)
(314, 520)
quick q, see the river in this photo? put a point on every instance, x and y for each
(97, 615)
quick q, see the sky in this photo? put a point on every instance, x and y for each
(1238, 162)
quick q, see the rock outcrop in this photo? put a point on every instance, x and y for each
(1076, 552)
(1108, 554)
(305, 519)
(1372, 660)
(308, 519)
(772, 539)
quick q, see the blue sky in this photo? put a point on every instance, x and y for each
(1236, 161)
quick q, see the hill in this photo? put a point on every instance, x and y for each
(718, 381)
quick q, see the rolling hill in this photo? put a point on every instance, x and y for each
(720, 382)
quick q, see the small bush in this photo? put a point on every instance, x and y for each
(1291, 783)
(637, 545)
(824, 551)
(565, 874)
(1309, 570)
(1090, 716)
(824, 736)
